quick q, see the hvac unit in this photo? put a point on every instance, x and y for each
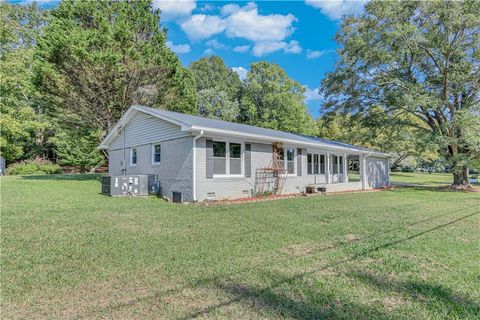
(130, 185)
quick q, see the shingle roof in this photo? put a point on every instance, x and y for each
(197, 121)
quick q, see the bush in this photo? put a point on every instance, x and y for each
(408, 169)
(33, 167)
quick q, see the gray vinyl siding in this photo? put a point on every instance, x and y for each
(175, 168)
(378, 172)
(144, 128)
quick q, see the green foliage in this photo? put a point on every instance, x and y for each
(212, 73)
(218, 88)
(380, 131)
(416, 58)
(216, 105)
(96, 58)
(271, 99)
(78, 148)
(30, 167)
(20, 125)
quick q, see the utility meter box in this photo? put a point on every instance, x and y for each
(128, 185)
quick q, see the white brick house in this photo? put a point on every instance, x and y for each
(213, 159)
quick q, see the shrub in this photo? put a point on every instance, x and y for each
(408, 169)
(29, 167)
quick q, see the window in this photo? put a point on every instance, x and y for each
(322, 164)
(156, 153)
(219, 158)
(227, 158)
(309, 163)
(315, 163)
(290, 155)
(133, 156)
(337, 164)
(235, 158)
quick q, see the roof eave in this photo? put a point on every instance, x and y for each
(287, 141)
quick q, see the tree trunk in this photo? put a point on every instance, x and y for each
(460, 178)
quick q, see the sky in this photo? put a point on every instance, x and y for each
(297, 35)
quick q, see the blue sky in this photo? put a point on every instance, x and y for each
(297, 35)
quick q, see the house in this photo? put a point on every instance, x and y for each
(213, 159)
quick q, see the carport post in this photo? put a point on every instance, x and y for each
(345, 167)
(363, 171)
(327, 168)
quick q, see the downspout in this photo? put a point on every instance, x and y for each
(194, 167)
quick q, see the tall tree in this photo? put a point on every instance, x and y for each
(212, 73)
(420, 58)
(218, 88)
(96, 58)
(376, 131)
(20, 125)
(271, 99)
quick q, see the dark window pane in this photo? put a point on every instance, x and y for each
(134, 156)
(340, 165)
(157, 151)
(309, 163)
(290, 154)
(219, 149)
(219, 166)
(235, 151)
(235, 166)
(315, 163)
(335, 164)
(322, 164)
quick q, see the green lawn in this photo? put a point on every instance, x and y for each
(69, 252)
(424, 179)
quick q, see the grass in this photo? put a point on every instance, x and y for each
(421, 179)
(69, 252)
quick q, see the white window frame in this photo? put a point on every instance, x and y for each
(319, 166)
(153, 153)
(339, 165)
(285, 164)
(131, 157)
(227, 159)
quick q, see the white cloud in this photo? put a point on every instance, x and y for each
(312, 94)
(172, 9)
(208, 52)
(201, 26)
(245, 22)
(179, 48)
(314, 54)
(242, 72)
(266, 47)
(215, 44)
(335, 9)
(241, 48)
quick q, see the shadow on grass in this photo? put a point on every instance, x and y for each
(324, 305)
(65, 177)
(430, 294)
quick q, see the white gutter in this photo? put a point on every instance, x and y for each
(286, 141)
(194, 167)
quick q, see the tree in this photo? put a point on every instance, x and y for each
(375, 131)
(216, 105)
(212, 73)
(416, 58)
(270, 99)
(218, 88)
(20, 125)
(96, 58)
(78, 147)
